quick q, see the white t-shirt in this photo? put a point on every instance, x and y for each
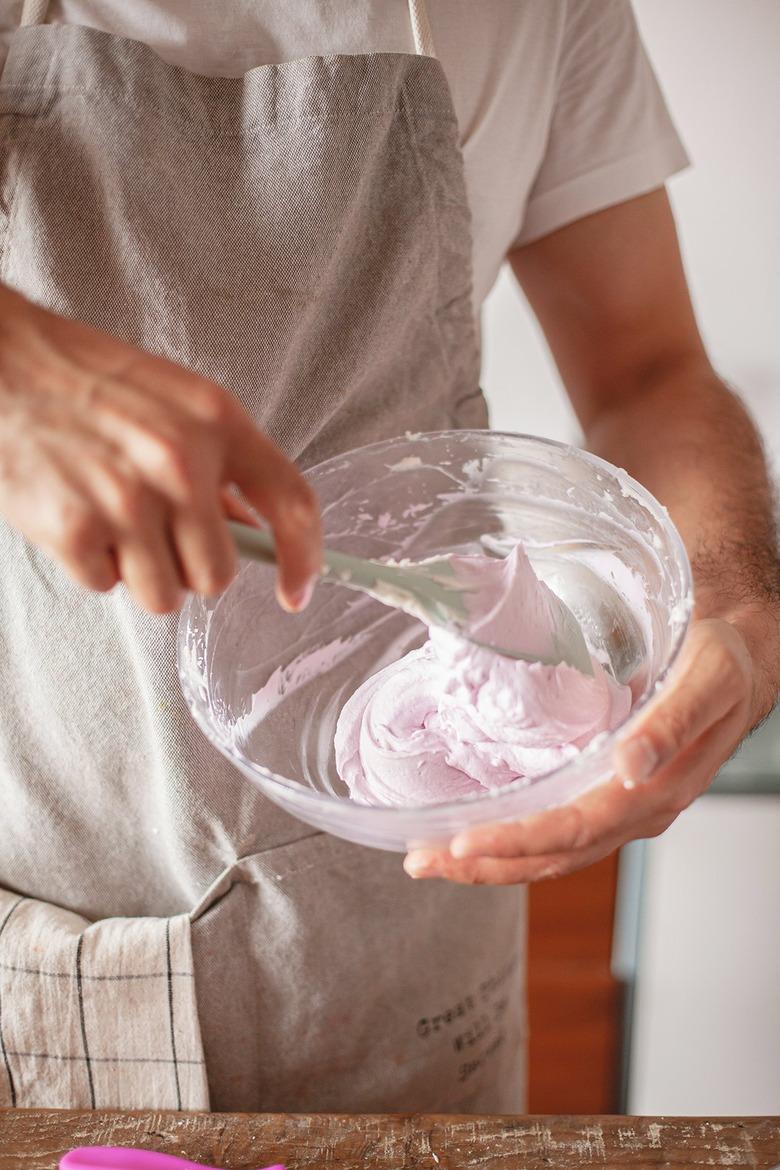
(559, 111)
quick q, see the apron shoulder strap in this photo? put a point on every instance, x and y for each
(34, 11)
(421, 29)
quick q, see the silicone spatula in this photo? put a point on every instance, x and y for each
(123, 1158)
(429, 590)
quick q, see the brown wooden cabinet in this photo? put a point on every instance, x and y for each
(575, 1003)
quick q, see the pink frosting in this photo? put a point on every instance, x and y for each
(451, 719)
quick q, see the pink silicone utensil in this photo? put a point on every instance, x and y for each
(123, 1158)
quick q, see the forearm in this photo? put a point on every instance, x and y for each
(688, 439)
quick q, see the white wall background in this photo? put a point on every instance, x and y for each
(708, 1013)
(707, 1024)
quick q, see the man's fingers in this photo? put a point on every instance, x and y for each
(494, 871)
(712, 678)
(95, 570)
(147, 565)
(206, 553)
(274, 486)
(560, 829)
(128, 453)
(571, 827)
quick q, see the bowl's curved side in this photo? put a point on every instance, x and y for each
(399, 828)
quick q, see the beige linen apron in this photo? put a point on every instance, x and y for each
(168, 938)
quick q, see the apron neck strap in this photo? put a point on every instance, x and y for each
(421, 29)
(34, 11)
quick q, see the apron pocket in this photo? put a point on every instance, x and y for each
(97, 1014)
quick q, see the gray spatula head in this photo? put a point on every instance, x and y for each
(433, 591)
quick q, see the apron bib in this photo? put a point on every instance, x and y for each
(168, 937)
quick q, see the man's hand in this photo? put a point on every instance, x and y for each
(611, 295)
(670, 758)
(117, 464)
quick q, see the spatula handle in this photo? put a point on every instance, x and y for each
(255, 543)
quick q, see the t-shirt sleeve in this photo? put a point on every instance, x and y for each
(611, 137)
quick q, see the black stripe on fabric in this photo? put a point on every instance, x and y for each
(102, 1059)
(3, 1048)
(80, 993)
(170, 1011)
(95, 978)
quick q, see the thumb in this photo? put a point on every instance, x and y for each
(711, 678)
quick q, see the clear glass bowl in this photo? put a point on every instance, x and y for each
(267, 687)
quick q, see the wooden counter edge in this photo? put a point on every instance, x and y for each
(34, 1139)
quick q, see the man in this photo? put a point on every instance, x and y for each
(276, 199)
